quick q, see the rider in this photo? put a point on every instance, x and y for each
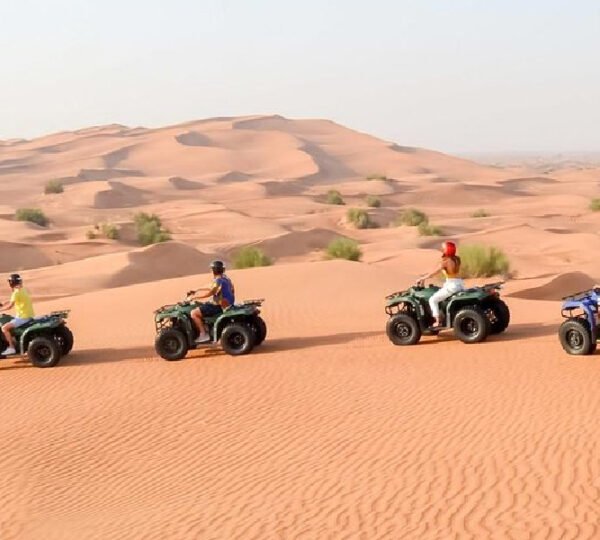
(21, 301)
(450, 267)
(223, 293)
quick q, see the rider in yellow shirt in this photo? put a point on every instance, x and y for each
(21, 301)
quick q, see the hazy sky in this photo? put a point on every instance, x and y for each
(455, 75)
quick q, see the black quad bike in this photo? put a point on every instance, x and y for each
(472, 314)
(44, 340)
(238, 329)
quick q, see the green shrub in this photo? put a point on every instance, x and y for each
(426, 229)
(250, 257)
(110, 231)
(334, 197)
(33, 215)
(54, 186)
(373, 201)
(344, 248)
(149, 229)
(377, 177)
(360, 219)
(483, 261)
(481, 213)
(412, 217)
(595, 205)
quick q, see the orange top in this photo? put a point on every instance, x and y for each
(451, 267)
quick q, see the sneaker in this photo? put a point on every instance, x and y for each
(9, 352)
(203, 338)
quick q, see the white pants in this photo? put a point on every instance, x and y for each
(452, 286)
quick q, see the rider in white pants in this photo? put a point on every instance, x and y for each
(450, 267)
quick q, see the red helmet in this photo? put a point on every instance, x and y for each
(449, 249)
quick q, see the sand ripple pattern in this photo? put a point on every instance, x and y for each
(342, 440)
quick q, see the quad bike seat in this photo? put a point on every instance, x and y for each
(30, 323)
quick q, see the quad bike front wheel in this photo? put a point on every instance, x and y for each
(237, 339)
(171, 344)
(403, 329)
(576, 338)
(471, 325)
(44, 352)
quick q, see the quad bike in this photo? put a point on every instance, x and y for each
(238, 329)
(473, 314)
(45, 340)
(578, 334)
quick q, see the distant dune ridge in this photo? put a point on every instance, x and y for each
(327, 430)
(559, 287)
(222, 183)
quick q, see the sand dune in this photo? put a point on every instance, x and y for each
(558, 287)
(298, 243)
(118, 269)
(326, 431)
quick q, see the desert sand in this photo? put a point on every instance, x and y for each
(327, 430)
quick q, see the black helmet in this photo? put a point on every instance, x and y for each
(218, 267)
(14, 280)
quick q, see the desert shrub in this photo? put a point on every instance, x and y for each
(412, 217)
(33, 215)
(377, 177)
(149, 229)
(91, 235)
(426, 229)
(360, 219)
(373, 201)
(334, 197)
(483, 261)
(595, 205)
(481, 213)
(110, 231)
(53, 186)
(344, 248)
(250, 257)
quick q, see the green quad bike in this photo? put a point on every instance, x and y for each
(239, 329)
(45, 340)
(473, 314)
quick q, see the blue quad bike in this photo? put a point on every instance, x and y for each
(578, 334)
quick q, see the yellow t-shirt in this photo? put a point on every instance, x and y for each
(23, 304)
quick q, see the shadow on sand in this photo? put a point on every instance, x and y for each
(515, 332)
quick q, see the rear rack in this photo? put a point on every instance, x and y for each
(256, 302)
(495, 285)
(60, 313)
(581, 294)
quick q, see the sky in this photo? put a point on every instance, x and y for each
(452, 75)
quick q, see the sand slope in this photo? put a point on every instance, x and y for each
(327, 432)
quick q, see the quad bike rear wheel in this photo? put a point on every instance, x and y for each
(260, 330)
(65, 339)
(171, 344)
(403, 329)
(44, 352)
(576, 338)
(471, 325)
(499, 316)
(237, 339)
